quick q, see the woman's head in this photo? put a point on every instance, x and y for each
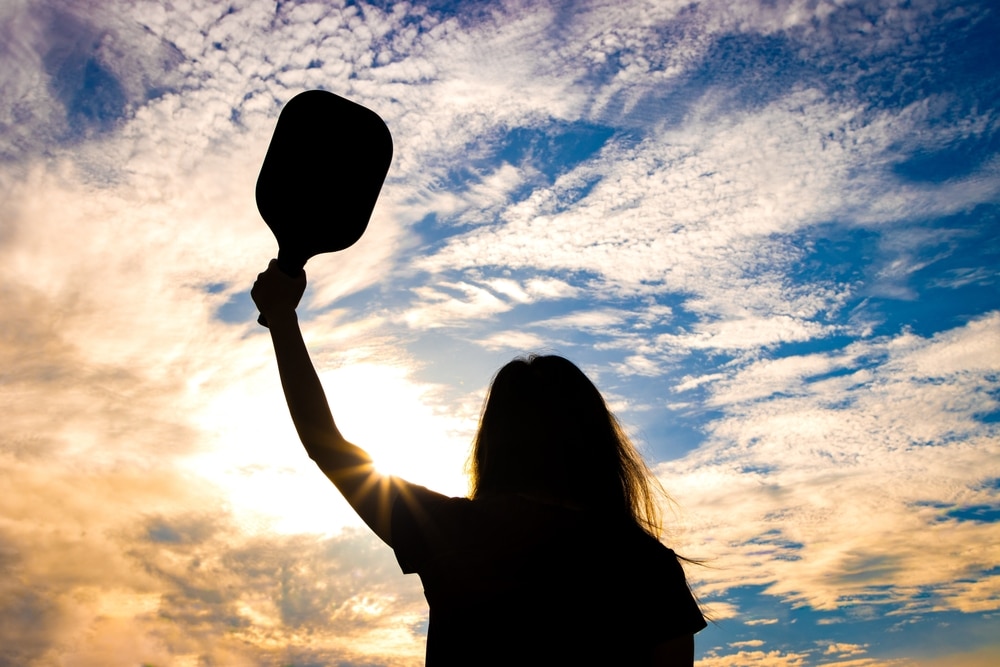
(546, 430)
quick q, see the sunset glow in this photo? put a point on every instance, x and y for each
(766, 230)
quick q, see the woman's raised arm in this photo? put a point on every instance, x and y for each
(349, 467)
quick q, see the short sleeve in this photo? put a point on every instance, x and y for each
(416, 518)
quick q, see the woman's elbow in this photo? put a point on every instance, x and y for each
(336, 454)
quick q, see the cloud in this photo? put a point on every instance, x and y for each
(443, 309)
(983, 657)
(752, 643)
(516, 341)
(191, 585)
(690, 212)
(653, 197)
(754, 659)
(712, 205)
(747, 333)
(318, 598)
(718, 610)
(841, 649)
(75, 71)
(847, 486)
(469, 302)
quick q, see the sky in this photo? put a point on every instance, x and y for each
(766, 229)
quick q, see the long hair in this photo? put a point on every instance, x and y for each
(545, 430)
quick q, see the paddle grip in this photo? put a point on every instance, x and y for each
(291, 267)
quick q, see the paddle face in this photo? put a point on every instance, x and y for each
(321, 175)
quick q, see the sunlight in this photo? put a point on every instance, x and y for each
(381, 410)
(272, 485)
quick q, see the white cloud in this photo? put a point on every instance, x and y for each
(842, 649)
(516, 341)
(126, 445)
(746, 333)
(440, 308)
(552, 288)
(509, 288)
(844, 486)
(698, 210)
(754, 659)
(470, 301)
(761, 621)
(588, 319)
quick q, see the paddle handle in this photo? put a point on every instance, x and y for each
(291, 267)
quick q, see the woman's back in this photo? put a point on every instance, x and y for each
(511, 580)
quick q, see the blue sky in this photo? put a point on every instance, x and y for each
(767, 230)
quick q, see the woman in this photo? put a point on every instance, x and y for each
(554, 559)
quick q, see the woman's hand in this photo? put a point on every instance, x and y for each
(276, 294)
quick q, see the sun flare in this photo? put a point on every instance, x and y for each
(269, 480)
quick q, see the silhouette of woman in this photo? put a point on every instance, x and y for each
(554, 559)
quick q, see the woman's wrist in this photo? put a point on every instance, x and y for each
(280, 316)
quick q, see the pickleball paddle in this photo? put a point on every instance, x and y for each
(321, 176)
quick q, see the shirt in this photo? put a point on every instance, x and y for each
(514, 581)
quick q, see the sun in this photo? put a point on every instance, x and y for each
(383, 411)
(254, 457)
